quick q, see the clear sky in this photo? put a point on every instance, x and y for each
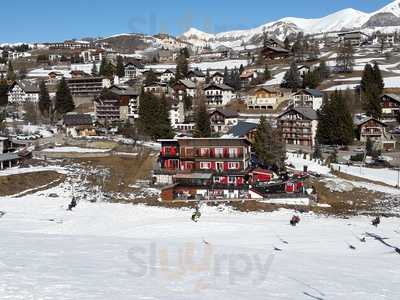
(53, 20)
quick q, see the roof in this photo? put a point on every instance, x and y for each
(28, 86)
(124, 91)
(395, 97)
(188, 83)
(8, 156)
(218, 87)
(260, 170)
(359, 122)
(218, 74)
(168, 71)
(307, 112)
(194, 176)
(197, 73)
(242, 128)
(210, 142)
(77, 119)
(227, 113)
(277, 49)
(137, 65)
(312, 92)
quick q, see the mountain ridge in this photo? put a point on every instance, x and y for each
(345, 19)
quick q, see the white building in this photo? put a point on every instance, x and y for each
(133, 71)
(24, 91)
(218, 94)
(167, 75)
(310, 98)
(177, 113)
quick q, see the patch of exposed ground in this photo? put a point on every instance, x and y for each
(32, 182)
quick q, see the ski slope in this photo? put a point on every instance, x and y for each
(121, 251)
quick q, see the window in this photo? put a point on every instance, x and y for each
(231, 180)
(232, 152)
(205, 165)
(233, 166)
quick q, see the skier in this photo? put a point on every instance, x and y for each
(295, 220)
(72, 204)
(376, 221)
(196, 215)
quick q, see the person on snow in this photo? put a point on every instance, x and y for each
(72, 204)
(295, 220)
(196, 215)
(376, 221)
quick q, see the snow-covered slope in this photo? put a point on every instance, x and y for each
(346, 19)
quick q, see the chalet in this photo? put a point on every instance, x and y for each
(267, 98)
(390, 106)
(272, 42)
(167, 75)
(247, 77)
(243, 129)
(118, 103)
(222, 120)
(157, 88)
(355, 38)
(133, 70)
(310, 98)
(272, 53)
(78, 125)
(299, 126)
(23, 91)
(375, 130)
(203, 167)
(217, 78)
(54, 77)
(196, 76)
(218, 94)
(184, 87)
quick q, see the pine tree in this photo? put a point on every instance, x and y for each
(292, 79)
(10, 72)
(269, 146)
(311, 79)
(64, 102)
(163, 128)
(345, 58)
(335, 126)
(3, 92)
(185, 52)
(202, 122)
(317, 154)
(208, 77)
(44, 100)
(227, 79)
(120, 70)
(148, 114)
(241, 69)
(323, 70)
(267, 74)
(182, 67)
(94, 71)
(103, 67)
(371, 89)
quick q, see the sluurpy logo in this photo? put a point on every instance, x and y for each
(202, 264)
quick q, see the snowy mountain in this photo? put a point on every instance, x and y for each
(346, 19)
